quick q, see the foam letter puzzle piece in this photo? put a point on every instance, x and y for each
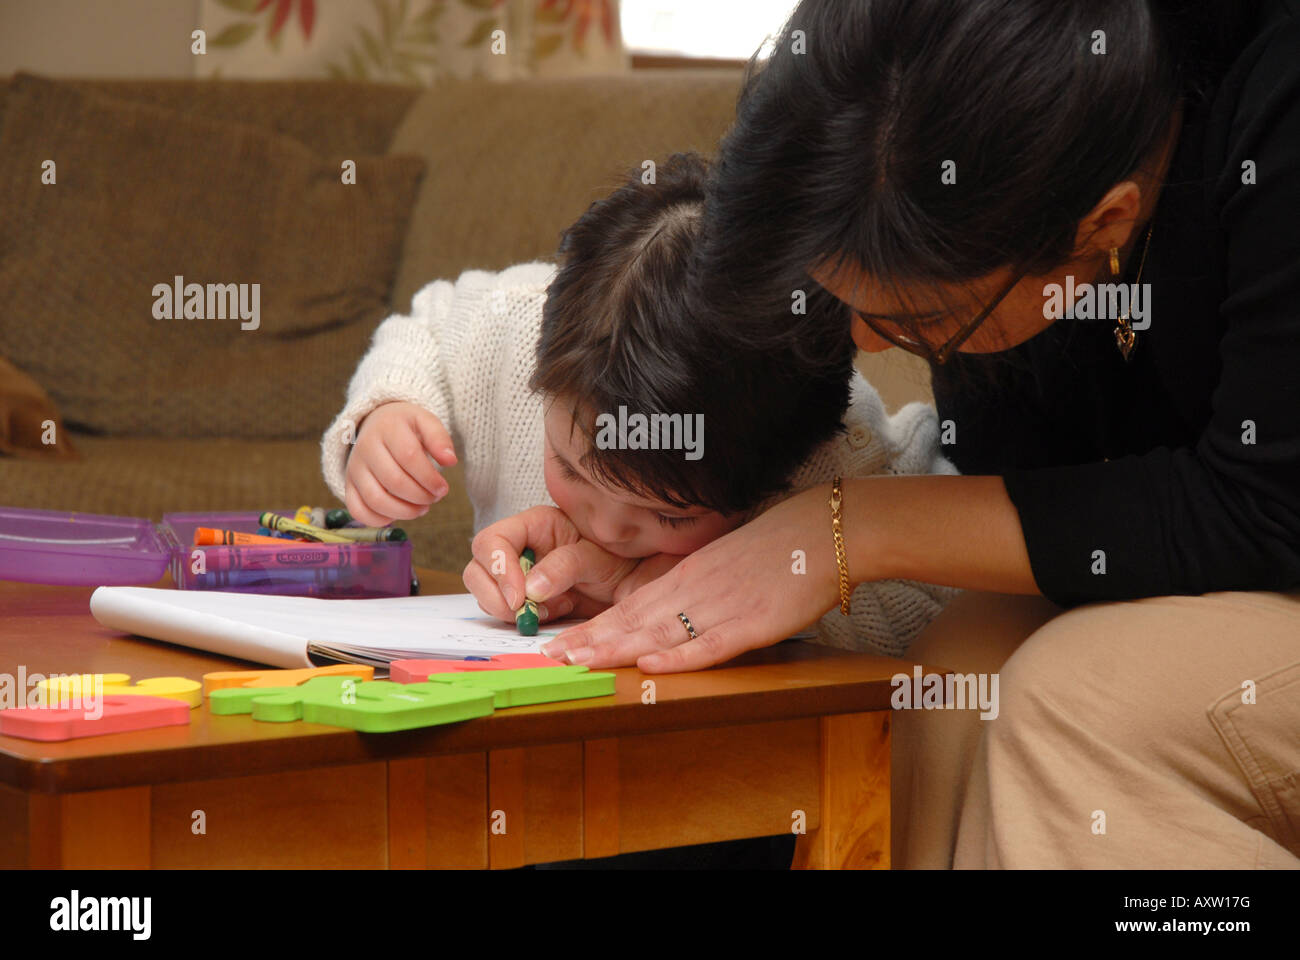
(415, 671)
(120, 714)
(281, 678)
(375, 706)
(119, 684)
(232, 700)
(518, 688)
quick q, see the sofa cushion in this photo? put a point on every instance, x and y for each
(145, 194)
(511, 165)
(331, 117)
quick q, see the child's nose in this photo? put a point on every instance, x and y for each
(610, 526)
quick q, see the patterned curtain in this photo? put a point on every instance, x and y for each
(409, 41)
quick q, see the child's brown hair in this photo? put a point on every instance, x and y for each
(620, 329)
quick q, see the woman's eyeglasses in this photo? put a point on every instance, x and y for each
(940, 354)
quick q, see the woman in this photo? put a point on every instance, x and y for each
(1128, 528)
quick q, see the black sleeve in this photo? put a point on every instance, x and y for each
(1224, 513)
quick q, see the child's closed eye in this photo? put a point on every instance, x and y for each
(675, 522)
(567, 469)
(665, 520)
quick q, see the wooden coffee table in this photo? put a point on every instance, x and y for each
(792, 735)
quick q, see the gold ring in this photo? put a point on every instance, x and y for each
(686, 622)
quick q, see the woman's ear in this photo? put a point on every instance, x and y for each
(1111, 223)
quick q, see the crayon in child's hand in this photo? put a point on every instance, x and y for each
(526, 617)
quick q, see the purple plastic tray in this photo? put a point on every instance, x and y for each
(51, 546)
(80, 549)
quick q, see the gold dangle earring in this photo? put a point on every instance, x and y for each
(1125, 338)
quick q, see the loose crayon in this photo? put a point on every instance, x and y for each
(292, 582)
(274, 521)
(208, 536)
(301, 556)
(317, 517)
(303, 514)
(371, 534)
(338, 517)
(264, 532)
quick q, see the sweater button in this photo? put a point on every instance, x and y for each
(859, 437)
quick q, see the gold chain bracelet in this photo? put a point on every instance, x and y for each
(837, 531)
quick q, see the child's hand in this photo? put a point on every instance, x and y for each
(389, 476)
(572, 576)
(738, 592)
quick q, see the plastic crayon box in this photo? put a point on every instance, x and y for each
(66, 547)
(329, 570)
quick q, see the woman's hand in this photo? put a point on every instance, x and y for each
(572, 576)
(751, 588)
(389, 475)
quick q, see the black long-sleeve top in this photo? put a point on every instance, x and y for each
(1182, 466)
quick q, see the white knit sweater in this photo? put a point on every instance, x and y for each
(466, 353)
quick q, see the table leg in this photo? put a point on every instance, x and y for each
(98, 830)
(506, 824)
(854, 828)
(600, 798)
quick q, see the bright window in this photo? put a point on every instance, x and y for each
(726, 29)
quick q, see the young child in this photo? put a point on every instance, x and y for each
(536, 376)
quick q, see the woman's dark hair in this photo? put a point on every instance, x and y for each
(841, 136)
(619, 329)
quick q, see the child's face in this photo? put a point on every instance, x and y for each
(623, 524)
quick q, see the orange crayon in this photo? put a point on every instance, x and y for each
(209, 537)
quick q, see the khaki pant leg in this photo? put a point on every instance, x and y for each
(932, 751)
(1134, 712)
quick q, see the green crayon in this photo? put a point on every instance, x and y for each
(526, 618)
(338, 517)
(273, 521)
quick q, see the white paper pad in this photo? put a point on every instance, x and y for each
(292, 631)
